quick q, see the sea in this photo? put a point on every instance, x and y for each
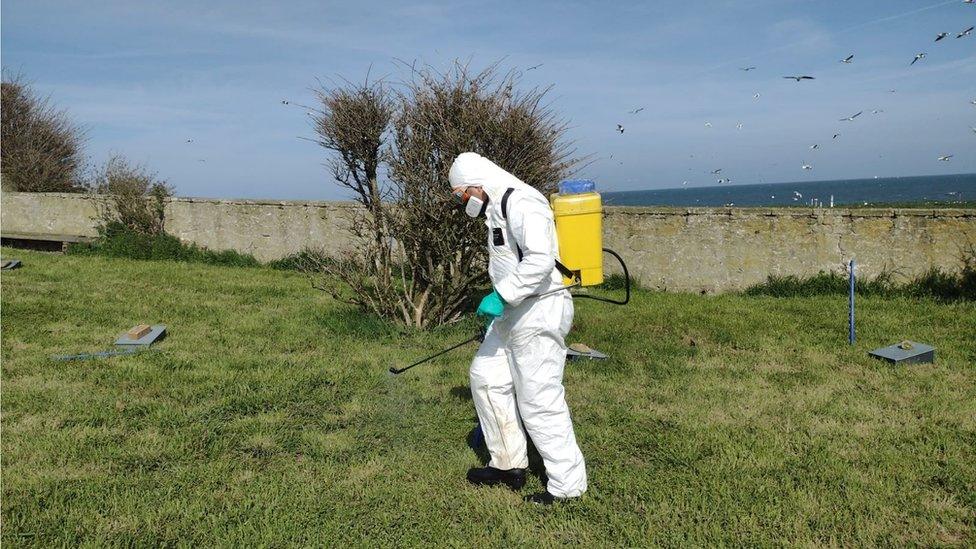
(937, 189)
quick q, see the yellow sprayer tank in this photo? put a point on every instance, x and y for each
(579, 226)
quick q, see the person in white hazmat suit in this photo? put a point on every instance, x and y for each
(516, 375)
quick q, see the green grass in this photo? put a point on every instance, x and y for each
(267, 417)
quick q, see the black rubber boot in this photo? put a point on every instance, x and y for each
(542, 498)
(489, 476)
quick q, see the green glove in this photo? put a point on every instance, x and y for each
(492, 305)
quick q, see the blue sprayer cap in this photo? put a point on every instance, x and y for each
(576, 186)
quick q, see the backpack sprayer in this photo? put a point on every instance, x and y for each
(578, 212)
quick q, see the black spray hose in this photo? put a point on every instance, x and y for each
(481, 334)
(626, 283)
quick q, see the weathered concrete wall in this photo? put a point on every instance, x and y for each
(267, 229)
(696, 249)
(704, 249)
(48, 213)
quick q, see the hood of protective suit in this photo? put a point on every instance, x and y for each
(473, 170)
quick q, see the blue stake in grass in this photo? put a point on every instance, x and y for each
(850, 301)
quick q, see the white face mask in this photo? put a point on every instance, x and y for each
(475, 207)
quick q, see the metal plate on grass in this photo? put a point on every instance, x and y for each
(157, 332)
(582, 351)
(906, 352)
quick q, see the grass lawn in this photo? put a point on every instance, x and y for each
(267, 417)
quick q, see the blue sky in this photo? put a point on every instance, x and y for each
(144, 77)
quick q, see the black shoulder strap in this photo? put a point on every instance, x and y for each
(563, 270)
(505, 196)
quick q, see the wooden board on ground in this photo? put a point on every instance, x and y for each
(138, 331)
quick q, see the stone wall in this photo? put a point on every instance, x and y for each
(266, 229)
(708, 249)
(686, 249)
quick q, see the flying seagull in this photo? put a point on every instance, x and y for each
(635, 111)
(966, 32)
(738, 126)
(798, 78)
(533, 67)
(756, 97)
(917, 57)
(849, 59)
(851, 117)
(945, 157)
(814, 147)
(718, 171)
(724, 180)
(876, 111)
(189, 141)
(940, 36)
(836, 135)
(807, 167)
(708, 124)
(973, 101)
(973, 128)
(620, 128)
(747, 69)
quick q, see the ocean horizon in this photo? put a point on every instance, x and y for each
(947, 189)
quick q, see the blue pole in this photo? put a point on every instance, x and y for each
(850, 316)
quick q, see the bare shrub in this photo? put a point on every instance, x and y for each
(134, 197)
(418, 257)
(41, 147)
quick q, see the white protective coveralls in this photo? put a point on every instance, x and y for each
(517, 373)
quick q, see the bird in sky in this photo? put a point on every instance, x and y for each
(756, 96)
(284, 101)
(966, 32)
(836, 135)
(945, 157)
(891, 91)
(738, 126)
(533, 67)
(620, 128)
(973, 128)
(747, 69)
(201, 159)
(814, 147)
(917, 57)
(724, 180)
(807, 167)
(973, 102)
(718, 171)
(683, 183)
(940, 36)
(189, 141)
(797, 195)
(968, 1)
(635, 111)
(876, 111)
(851, 117)
(848, 60)
(798, 78)
(708, 124)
